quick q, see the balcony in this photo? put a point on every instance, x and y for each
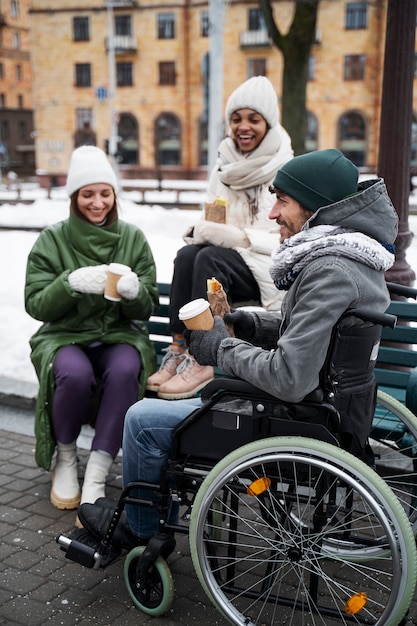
(255, 39)
(123, 44)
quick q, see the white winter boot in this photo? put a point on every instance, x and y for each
(98, 466)
(65, 491)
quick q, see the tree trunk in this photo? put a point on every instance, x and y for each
(295, 47)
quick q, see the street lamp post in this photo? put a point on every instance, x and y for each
(112, 83)
(215, 108)
(396, 120)
(113, 136)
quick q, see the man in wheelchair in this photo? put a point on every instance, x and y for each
(340, 243)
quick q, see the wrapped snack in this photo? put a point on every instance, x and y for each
(216, 211)
(218, 300)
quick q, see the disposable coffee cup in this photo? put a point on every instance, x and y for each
(197, 315)
(116, 270)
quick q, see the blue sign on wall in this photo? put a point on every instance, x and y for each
(101, 93)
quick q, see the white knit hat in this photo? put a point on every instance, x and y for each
(256, 93)
(89, 165)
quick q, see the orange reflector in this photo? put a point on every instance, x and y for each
(259, 486)
(356, 603)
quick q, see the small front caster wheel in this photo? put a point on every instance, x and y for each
(152, 591)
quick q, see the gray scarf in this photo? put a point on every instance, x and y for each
(290, 257)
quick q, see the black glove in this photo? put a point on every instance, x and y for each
(204, 344)
(243, 324)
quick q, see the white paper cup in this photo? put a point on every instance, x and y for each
(116, 270)
(197, 315)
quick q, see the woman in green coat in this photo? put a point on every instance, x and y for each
(89, 349)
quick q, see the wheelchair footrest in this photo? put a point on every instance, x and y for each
(81, 547)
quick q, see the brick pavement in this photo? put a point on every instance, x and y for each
(39, 586)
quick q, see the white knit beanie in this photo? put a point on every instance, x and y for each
(89, 165)
(256, 93)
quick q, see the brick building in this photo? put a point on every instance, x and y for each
(161, 78)
(17, 149)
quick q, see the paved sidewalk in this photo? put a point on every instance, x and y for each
(39, 586)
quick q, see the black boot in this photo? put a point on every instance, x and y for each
(96, 519)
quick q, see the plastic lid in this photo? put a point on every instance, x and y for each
(193, 308)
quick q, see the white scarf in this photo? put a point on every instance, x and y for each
(248, 172)
(290, 257)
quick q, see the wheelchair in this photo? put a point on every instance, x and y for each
(285, 526)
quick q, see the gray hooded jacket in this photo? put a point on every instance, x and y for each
(294, 343)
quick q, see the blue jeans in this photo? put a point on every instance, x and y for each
(147, 441)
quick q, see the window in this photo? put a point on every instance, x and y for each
(415, 65)
(256, 20)
(18, 72)
(256, 67)
(203, 142)
(2, 101)
(354, 67)
(20, 102)
(84, 117)
(166, 26)
(311, 140)
(128, 146)
(14, 8)
(205, 24)
(124, 74)
(83, 75)
(167, 73)
(4, 130)
(1, 70)
(81, 29)
(356, 15)
(16, 41)
(352, 137)
(311, 71)
(123, 25)
(22, 129)
(168, 140)
(84, 135)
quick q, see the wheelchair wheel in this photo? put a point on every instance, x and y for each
(156, 595)
(299, 517)
(393, 439)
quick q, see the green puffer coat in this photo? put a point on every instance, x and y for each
(70, 317)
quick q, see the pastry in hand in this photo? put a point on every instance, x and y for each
(218, 300)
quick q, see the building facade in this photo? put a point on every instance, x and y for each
(17, 146)
(150, 87)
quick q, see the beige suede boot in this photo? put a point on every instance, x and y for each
(65, 491)
(188, 381)
(167, 369)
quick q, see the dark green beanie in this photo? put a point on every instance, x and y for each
(318, 178)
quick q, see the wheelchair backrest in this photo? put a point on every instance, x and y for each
(348, 374)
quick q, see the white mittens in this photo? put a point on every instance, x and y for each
(128, 286)
(89, 279)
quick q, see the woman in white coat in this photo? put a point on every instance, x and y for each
(237, 250)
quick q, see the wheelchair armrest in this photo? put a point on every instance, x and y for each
(368, 315)
(241, 387)
(402, 290)
(235, 385)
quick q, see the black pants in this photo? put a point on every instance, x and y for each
(194, 264)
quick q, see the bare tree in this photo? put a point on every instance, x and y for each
(295, 47)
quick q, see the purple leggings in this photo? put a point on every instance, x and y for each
(76, 369)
